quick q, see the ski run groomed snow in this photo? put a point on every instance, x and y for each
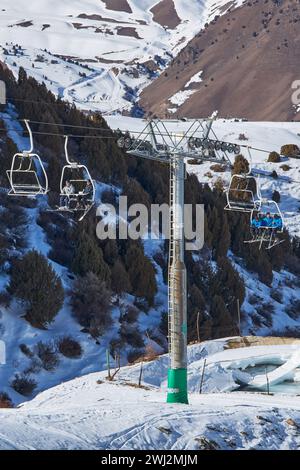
(93, 413)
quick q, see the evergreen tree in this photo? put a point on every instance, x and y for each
(88, 257)
(228, 284)
(141, 273)
(91, 304)
(119, 278)
(222, 322)
(34, 281)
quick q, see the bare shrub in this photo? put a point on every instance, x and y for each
(290, 150)
(135, 355)
(218, 168)
(274, 157)
(132, 335)
(293, 310)
(23, 385)
(254, 299)
(69, 347)
(130, 314)
(5, 401)
(285, 167)
(276, 295)
(47, 353)
(26, 350)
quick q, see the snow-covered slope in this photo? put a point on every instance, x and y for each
(95, 54)
(91, 413)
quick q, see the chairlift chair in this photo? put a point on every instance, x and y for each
(243, 193)
(267, 235)
(27, 175)
(78, 175)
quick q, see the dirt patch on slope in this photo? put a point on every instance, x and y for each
(165, 14)
(117, 5)
(127, 31)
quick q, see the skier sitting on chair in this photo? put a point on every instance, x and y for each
(67, 191)
(277, 222)
(255, 225)
(87, 195)
(267, 221)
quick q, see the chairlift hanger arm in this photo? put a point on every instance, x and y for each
(26, 121)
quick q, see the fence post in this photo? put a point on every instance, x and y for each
(268, 383)
(108, 364)
(202, 376)
(141, 374)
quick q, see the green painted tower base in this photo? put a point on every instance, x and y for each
(177, 386)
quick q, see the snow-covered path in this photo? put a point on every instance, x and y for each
(92, 413)
(85, 415)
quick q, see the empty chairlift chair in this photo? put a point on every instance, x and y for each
(27, 175)
(81, 195)
(243, 194)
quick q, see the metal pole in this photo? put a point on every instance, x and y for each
(202, 376)
(177, 373)
(239, 316)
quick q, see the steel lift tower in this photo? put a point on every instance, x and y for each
(164, 141)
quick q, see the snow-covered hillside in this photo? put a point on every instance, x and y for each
(92, 413)
(96, 55)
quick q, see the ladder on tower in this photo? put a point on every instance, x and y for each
(171, 254)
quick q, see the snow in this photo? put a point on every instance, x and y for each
(195, 79)
(180, 97)
(57, 31)
(285, 372)
(92, 413)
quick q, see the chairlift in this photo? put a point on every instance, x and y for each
(27, 175)
(266, 225)
(243, 193)
(80, 197)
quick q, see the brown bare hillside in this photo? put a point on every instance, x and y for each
(118, 5)
(249, 58)
(165, 14)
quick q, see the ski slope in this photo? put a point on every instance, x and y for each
(93, 56)
(92, 413)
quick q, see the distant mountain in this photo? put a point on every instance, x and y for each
(99, 54)
(243, 64)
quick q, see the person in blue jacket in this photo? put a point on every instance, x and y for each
(256, 225)
(267, 221)
(277, 222)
